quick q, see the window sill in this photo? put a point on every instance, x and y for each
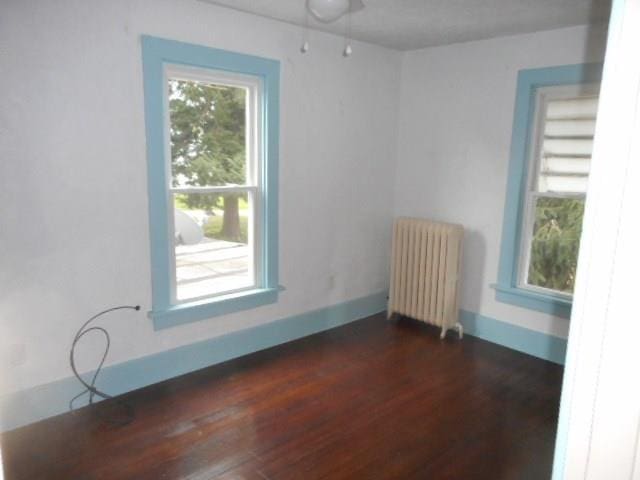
(553, 305)
(207, 308)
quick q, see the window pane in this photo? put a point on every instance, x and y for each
(208, 137)
(213, 251)
(566, 144)
(555, 243)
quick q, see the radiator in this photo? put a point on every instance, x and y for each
(425, 272)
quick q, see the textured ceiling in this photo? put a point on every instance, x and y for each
(413, 24)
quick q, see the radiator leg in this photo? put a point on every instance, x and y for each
(459, 328)
(443, 333)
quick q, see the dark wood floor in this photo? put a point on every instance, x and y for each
(371, 400)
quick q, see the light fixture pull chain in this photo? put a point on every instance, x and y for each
(347, 36)
(304, 48)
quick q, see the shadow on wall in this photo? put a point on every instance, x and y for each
(509, 335)
(473, 265)
(595, 44)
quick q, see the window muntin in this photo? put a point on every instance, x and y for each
(214, 136)
(558, 173)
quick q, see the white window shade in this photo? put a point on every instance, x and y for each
(567, 143)
(573, 108)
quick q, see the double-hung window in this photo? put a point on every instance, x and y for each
(212, 145)
(552, 143)
(554, 203)
(214, 134)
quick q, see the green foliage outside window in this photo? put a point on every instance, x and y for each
(555, 243)
(208, 146)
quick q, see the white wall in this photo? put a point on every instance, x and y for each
(73, 192)
(73, 221)
(454, 135)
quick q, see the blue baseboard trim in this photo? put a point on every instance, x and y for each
(512, 336)
(37, 403)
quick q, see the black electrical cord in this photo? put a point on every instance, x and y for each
(90, 388)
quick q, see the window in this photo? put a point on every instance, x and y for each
(552, 141)
(214, 136)
(554, 204)
(212, 143)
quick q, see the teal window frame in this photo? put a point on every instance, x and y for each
(529, 81)
(158, 53)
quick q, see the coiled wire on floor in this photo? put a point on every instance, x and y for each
(126, 414)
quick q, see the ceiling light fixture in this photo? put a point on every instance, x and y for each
(328, 11)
